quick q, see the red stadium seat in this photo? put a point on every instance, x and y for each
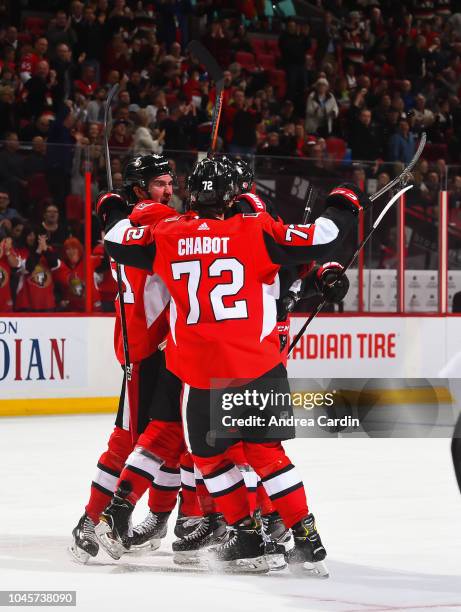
(35, 25)
(246, 60)
(266, 61)
(74, 207)
(278, 79)
(259, 45)
(272, 46)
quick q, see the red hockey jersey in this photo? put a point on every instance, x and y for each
(222, 276)
(6, 299)
(146, 296)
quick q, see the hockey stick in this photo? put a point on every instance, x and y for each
(217, 74)
(126, 353)
(349, 263)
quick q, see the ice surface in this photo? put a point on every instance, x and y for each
(389, 512)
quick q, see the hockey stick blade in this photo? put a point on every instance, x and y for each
(349, 263)
(405, 172)
(207, 60)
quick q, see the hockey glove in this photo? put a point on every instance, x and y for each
(348, 195)
(111, 207)
(251, 203)
(331, 282)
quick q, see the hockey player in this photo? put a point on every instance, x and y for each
(148, 181)
(221, 276)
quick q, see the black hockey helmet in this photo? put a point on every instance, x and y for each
(213, 182)
(139, 170)
(245, 174)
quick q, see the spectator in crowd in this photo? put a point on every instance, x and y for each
(35, 162)
(60, 32)
(402, 146)
(39, 127)
(95, 108)
(241, 122)
(12, 170)
(70, 279)
(294, 44)
(52, 227)
(7, 213)
(104, 281)
(9, 263)
(120, 137)
(35, 290)
(60, 153)
(144, 141)
(321, 109)
(364, 140)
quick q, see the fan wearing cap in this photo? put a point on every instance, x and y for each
(120, 137)
(321, 109)
(69, 277)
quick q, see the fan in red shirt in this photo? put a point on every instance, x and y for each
(35, 290)
(9, 262)
(222, 277)
(70, 278)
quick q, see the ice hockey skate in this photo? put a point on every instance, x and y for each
(185, 525)
(85, 544)
(114, 528)
(148, 535)
(242, 552)
(211, 530)
(278, 540)
(308, 554)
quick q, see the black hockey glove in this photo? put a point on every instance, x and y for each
(348, 195)
(331, 282)
(111, 207)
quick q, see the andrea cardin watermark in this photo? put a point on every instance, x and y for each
(253, 408)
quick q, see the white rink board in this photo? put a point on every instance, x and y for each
(83, 348)
(373, 347)
(83, 362)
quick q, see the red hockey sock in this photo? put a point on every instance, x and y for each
(140, 471)
(280, 479)
(163, 493)
(251, 480)
(110, 465)
(226, 486)
(205, 502)
(262, 500)
(189, 502)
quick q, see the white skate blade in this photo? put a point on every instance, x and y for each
(276, 562)
(317, 569)
(147, 547)
(190, 557)
(256, 565)
(77, 554)
(112, 546)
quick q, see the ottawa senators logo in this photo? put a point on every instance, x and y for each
(4, 277)
(76, 286)
(41, 277)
